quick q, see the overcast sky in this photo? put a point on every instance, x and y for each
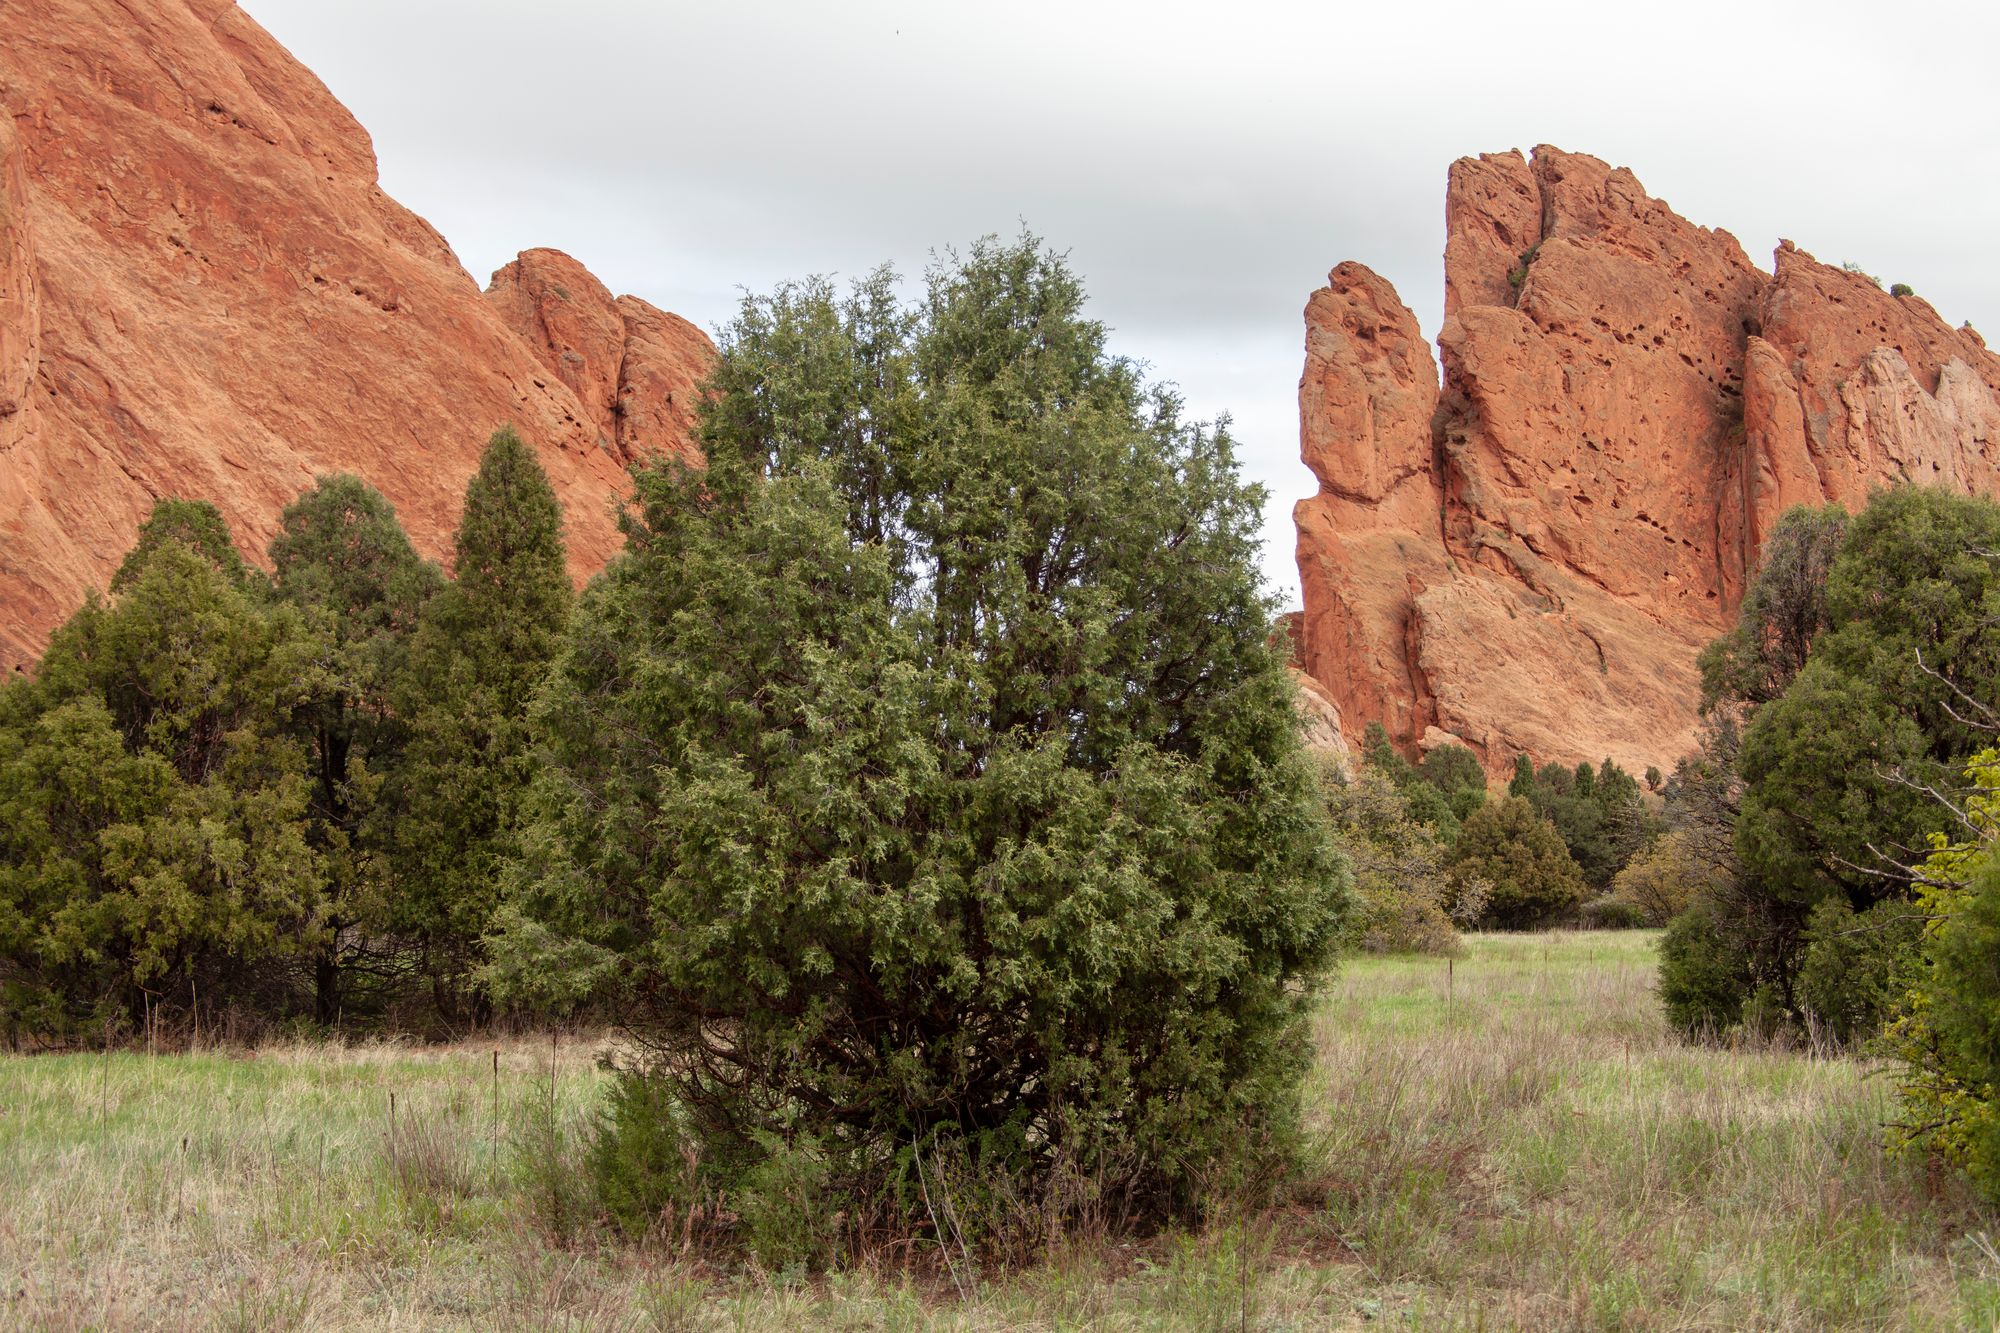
(1204, 165)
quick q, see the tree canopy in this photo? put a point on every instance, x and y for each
(931, 743)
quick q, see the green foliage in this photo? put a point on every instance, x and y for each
(1854, 966)
(1455, 773)
(1665, 880)
(343, 559)
(1783, 612)
(789, 1220)
(1599, 813)
(642, 1164)
(1901, 289)
(152, 801)
(1440, 792)
(195, 525)
(549, 1148)
(1403, 898)
(1531, 879)
(930, 744)
(1948, 1029)
(1519, 273)
(1833, 768)
(1705, 976)
(1866, 667)
(1611, 912)
(481, 649)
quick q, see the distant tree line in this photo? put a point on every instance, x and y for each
(1434, 851)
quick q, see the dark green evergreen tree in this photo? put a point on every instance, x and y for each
(153, 803)
(1865, 696)
(1599, 812)
(480, 652)
(195, 525)
(931, 745)
(1783, 611)
(1530, 878)
(345, 562)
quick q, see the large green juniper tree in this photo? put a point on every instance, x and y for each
(921, 785)
(1862, 668)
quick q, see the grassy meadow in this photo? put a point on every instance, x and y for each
(1508, 1141)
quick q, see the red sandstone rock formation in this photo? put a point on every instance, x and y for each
(1528, 556)
(632, 365)
(205, 293)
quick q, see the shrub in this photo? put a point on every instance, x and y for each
(1611, 912)
(548, 1148)
(1599, 813)
(788, 1219)
(1948, 1031)
(1854, 966)
(1531, 879)
(642, 1163)
(1661, 882)
(1902, 289)
(1400, 885)
(1519, 273)
(153, 800)
(1704, 978)
(931, 744)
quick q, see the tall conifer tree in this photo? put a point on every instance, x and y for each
(481, 651)
(344, 560)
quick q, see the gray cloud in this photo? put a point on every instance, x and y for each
(1205, 165)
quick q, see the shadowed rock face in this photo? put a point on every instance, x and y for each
(205, 293)
(1527, 554)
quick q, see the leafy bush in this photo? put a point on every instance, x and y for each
(1401, 890)
(1599, 813)
(1948, 1030)
(1530, 877)
(1901, 289)
(1662, 881)
(153, 800)
(1705, 977)
(644, 1166)
(1439, 793)
(932, 746)
(1611, 912)
(1854, 967)
(788, 1219)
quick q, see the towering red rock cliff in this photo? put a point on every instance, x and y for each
(205, 293)
(1528, 555)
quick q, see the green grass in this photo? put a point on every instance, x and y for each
(1510, 1142)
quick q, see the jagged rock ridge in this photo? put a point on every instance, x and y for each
(204, 292)
(1526, 553)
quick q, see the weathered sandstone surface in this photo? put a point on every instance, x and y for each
(205, 293)
(1526, 552)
